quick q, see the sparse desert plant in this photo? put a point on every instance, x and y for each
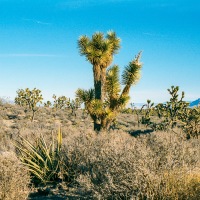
(147, 112)
(116, 165)
(60, 102)
(74, 104)
(183, 184)
(137, 112)
(29, 99)
(42, 160)
(173, 109)
(14, 178)
(176, 112)
(48, 104)
(106, 100)
(190, 122)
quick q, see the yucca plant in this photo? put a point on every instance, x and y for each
(43, 161)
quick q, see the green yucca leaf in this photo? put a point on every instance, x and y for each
(46, 153)
(46, 167)
(32, 149)
(42, 141)
(52, 147)
(40, 176)
(33, 165)
(43, 161)
(59, 139)
(25, 152)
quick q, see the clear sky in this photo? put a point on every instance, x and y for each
(38, 44)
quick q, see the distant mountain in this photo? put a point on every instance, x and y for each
(195, 103)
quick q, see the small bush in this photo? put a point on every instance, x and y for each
(180, 183)
(14, 178)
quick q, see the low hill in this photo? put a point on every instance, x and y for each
(195, 103)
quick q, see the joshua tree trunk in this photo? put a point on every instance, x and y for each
(97, 126)
(101, 124)
(104, 124)
(126, 89)
(33, 115)
(97, 81)
(99, 86)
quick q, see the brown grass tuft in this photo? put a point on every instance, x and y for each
(14, 178)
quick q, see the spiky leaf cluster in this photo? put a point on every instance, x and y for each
(99, 50)
(131, 73)
(85, 96)
(43, 161)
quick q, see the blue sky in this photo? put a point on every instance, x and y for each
(38, 44)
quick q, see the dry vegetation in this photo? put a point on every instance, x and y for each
(14, 178)
(124, 163)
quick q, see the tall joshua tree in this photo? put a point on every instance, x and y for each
(99, 51)
(106, 99)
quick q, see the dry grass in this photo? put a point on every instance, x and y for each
(14, 178)
(118, 166)
(114, 165)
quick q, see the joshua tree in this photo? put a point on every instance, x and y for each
(99, 52)
(29, 99)
(60, 102)
(104, 110)
(74, 105)
(48, 104)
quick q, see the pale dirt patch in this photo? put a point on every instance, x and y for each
(8, 123)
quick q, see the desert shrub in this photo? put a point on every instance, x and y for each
(180, 183)
(115, 165)
(127, 111)
(14, 178)
(118, 166)
(174, 113)
(3, 113)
